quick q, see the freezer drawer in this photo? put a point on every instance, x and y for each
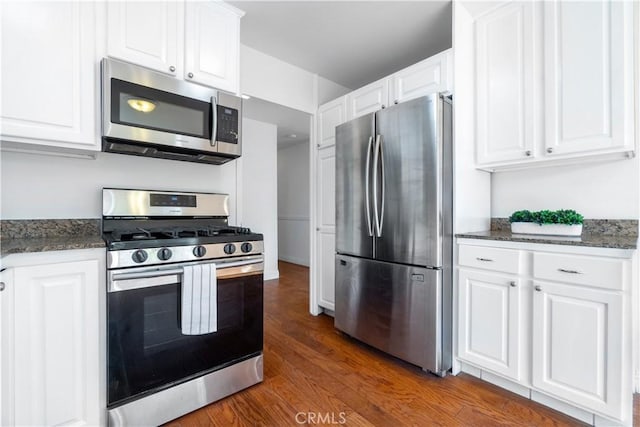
(395, 308)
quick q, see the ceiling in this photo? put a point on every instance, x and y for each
(352, 43)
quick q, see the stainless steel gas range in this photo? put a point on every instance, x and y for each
(184, 304)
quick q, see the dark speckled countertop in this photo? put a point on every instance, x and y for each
(40, 235)
(617, 234)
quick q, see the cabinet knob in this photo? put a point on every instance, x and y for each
(538, 288)
(172, 68)
(527, 153)
(317, 228)
(395, 102)
(2, 286)
(190, 75)
(550, 150)
(512, 284)
(384, 106)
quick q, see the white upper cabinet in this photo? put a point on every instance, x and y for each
(330, 115)
(197, 41)
(588, 76)
(368, 99)
(146, 33)
(554, 83)
(212, 45)
(49, 70)
(505, 83)
(431, 75)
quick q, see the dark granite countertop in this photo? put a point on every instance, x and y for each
(22, 236)
(616, 234)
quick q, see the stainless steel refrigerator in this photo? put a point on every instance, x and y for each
(394, 231)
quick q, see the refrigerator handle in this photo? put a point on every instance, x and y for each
(376, 157)
(366, 188)
(382, 179)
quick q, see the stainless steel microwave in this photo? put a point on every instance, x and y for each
(146, 113)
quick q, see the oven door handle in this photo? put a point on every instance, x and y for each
(149, 278)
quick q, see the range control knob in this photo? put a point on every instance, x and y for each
(246, 247)
(139, 256)
(164, 254)
(199, 251)
(229, 248)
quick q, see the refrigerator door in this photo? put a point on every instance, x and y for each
(408, 189)
(395, 308)
(354, 215)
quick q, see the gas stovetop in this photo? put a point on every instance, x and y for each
(143, 227)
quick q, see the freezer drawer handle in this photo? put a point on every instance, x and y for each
(484, 259)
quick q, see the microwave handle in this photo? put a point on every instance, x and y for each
(214, 121)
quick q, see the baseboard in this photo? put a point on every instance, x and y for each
(271, 274)
(294, 260)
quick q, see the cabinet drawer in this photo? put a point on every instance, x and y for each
(506, 260)
(584, 270)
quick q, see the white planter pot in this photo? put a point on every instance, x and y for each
(546, 229)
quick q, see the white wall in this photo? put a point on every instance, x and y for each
(258, 181)
(35, 186)
(596, 189)
(472, 210)
(271, 79)
(293, 203)
(329, 90)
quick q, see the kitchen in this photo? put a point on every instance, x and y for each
(501, 166)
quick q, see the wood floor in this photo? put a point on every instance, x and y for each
(314, 375)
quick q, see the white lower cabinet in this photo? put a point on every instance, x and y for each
(52, 367)
(490, 321)
(557, 325)
(577, 345)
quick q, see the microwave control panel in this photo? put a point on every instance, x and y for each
(227, 125)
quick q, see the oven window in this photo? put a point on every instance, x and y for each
(147, 351)
(148, 108)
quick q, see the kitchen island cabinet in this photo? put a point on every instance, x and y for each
(568, 307)
(52, 329)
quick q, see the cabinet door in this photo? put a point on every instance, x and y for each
(424, 78)
(330, 115)
(577, 346)
(56, 351)
(49, 72)
(588, 76)
(326, 227)
(506, 67)
(368, 99)
(212, 45)
(6, 343)
(490, 322)
(146, 33)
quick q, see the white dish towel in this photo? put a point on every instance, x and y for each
(199, 299)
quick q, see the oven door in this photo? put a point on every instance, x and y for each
(146, 348)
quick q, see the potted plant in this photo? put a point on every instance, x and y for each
(564, 222)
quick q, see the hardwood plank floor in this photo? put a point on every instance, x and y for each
(314, 375)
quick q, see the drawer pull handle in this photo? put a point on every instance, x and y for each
(569, 271)
(513, 284)
(538, 288)
(484, 259)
